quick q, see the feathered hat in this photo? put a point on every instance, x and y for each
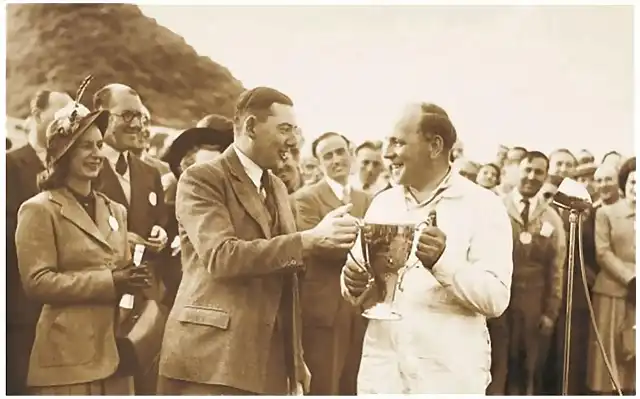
(69, 123)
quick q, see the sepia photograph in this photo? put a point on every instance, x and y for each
(320, 198)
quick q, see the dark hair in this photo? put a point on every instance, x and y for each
(102, 97)
(374, 146)
(627, 167)
(40, 101)
(435, 121)
(496, 168)
(9, 144)
(610, 153)
(518, 148)
(562, 150)
(531, 155)
(323, 136)
(258, 102)
(54, 177)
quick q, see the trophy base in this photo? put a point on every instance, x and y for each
(383, 312)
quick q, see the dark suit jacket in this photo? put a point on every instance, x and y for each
(145, 180)
(320, 288)
(23, 167)
(220, 329)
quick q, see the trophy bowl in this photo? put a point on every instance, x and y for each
(386, 248)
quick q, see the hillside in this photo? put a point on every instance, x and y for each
(56, 45)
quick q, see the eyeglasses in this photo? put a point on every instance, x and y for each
(129, 116)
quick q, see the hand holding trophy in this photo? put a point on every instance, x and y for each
(386, 248)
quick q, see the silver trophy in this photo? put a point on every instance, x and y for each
(386, 248)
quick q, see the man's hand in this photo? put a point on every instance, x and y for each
(431, 245)
(546, 325)
(157, 239)
(355, 278)
(303, 387)
(135, 239)
(338, 229)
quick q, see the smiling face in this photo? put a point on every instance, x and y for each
(605, 181)
(533, 173)
(409, 153)
(86, 156)
(274, 137)
(487, 176)
(334, 158)
(128, 118)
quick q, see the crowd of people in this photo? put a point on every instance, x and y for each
(225, 261)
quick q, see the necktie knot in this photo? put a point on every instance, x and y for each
(121, 164)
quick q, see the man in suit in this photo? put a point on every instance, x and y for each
(235, 326)
(521, 336)
(128, 180)
(332, 329)
(23, 166)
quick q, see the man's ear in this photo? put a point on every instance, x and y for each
(437, 146)
(250, 126)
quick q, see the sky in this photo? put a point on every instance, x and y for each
(540, 77)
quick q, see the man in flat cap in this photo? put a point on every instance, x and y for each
(235, 326)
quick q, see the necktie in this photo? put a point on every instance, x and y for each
(525, 212)
(269, 200)
(346, 195)
(121, 165)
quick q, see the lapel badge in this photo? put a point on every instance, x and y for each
(525, 238)
(153, 199)
(113, 223)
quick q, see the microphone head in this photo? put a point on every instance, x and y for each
(572, 195)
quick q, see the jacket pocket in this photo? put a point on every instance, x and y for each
(69, 340)
(205, 316)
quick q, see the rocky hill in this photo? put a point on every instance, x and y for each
(56, 45)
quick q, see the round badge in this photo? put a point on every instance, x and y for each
(525, 237)
(113, 223)
(153, 199)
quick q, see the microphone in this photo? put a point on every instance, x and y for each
(572, 195)
(127, 299)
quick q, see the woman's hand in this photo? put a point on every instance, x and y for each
(130, 279)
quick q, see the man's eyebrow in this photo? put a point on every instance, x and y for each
(282, 124)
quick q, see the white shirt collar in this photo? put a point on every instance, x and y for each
(112, 155)
(517, 199)
(251, 168)
(337, 188)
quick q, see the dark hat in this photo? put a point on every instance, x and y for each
(70, 123)
(193, 138)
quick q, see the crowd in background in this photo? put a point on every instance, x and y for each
(522, 362)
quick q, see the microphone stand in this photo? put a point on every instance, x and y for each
(574, 219)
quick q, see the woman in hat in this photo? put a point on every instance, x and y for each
(74, 258)
(211, 136)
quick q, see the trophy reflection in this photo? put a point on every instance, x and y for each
(386, 248)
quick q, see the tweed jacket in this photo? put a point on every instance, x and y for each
(615, 248)
(235, 273)
(66, 262)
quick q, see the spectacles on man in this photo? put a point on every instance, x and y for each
(129, 116)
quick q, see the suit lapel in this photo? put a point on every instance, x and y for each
(246, 191)
(72, 211)
(109, 185)
(102, 217)
(512, 210)
(327, 195)
(359, 199)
